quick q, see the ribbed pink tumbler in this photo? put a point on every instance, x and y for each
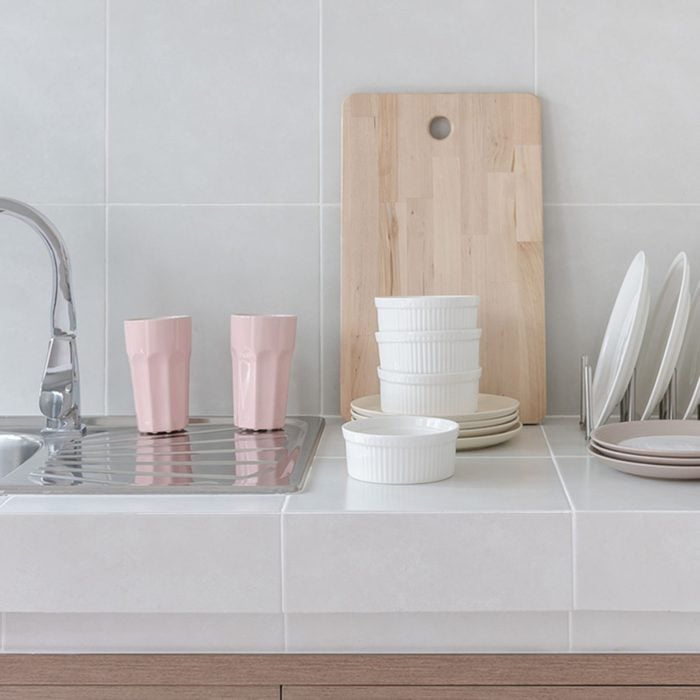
(261, 354)
(159, 352)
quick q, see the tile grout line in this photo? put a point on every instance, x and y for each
(105, 367)
(573, 532)
(321, 277)
(283, 583)
(535, 46)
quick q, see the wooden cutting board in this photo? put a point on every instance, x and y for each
(455, 215)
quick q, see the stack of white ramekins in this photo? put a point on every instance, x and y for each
(428, 355)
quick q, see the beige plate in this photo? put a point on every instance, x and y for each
(490, 407)
(500, 422)
(647, 459)
(651, 438)
(492, 430)
(652, 471)
(476, 443)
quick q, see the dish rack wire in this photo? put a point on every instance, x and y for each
(668, 409)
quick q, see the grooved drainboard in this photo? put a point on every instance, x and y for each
(209, 457)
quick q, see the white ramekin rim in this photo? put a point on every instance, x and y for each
(391, 431)
(431, 301)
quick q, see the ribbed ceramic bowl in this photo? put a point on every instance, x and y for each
(429, 394)
(429, 352)
(401, 449)
(427, 313)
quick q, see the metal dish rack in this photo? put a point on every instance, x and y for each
(667, 407)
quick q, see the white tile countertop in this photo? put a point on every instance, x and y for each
(531, 546)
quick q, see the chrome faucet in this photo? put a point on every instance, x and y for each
(59, 399)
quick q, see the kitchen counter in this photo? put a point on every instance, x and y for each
(532, 546)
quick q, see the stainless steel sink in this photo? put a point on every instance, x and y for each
(210, 457)
(15, 449)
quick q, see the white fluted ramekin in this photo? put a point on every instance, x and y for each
(428, 352)
(429, 394)
(427, 313)
(401, 449)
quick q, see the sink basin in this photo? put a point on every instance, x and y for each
(210, 457)
(15, 449)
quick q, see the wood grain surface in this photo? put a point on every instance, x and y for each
(137, 692)
(531, 692)
(350, 669)
(459, 215)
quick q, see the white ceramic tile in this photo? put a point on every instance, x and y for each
(143, 504)
(52, 85)
(635, 632)
(214, 101)
(638, 561)
(413, 562)
(140, 563)
(210, 262)
(25, 287)
(330, 303)
(564, 435)
(620, 86)
(332, 443)
(413, 45)
(427, 632)
(153, 633)
(587, 251)
(478, 486)
(529, 442)
(594, 486)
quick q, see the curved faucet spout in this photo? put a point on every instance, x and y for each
(59, 400)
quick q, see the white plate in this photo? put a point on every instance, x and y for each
(689, 360)
(654, 438)
(647, 459)
(490, 406)
(622, 340)
(653, 471)
(663, 338)
(477, 443)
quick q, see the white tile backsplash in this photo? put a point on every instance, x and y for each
(164, 107)
(52, 119)
(213, 101)
(248, 260)
(621, 93)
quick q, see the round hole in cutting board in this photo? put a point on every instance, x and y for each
(440, 127)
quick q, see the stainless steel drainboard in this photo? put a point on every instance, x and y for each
(209, 457)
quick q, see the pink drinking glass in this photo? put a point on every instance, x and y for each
(261, 355)
(159, 352)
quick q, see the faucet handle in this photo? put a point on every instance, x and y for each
(59, 399)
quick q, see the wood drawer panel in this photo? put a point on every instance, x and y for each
(138, 692)
(406, 692)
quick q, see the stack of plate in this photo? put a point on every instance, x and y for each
(660, 449)
(495, 420)
(655, 338)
